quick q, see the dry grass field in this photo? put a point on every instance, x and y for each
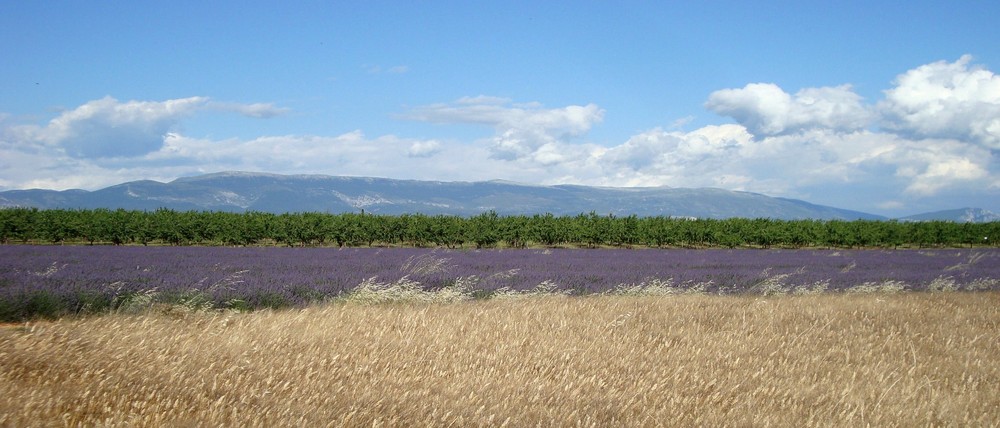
(906, 359)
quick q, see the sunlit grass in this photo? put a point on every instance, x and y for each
(649, 356)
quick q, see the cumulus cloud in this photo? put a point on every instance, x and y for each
(713, 156)
(109, 128)
(521, 130)
(422, 149)
(659, 151)
(29, 166)
(766, 109)
(930, 166)
(936, 130)
(943, 172)
(933, 137)
(865, 166)
(351, 153)
(945, 100)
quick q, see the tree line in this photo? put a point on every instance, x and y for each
(486, 230)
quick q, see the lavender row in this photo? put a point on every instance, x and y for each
(60, 279)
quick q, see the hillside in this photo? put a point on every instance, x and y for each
(244, 191)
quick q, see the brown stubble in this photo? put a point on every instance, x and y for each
(901, 359)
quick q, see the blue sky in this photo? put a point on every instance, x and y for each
(884, 107)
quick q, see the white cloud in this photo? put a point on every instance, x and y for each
(352, 153)
(255, 110)
(942, 173)
(108, 128)
(501, 113)
(681, 122)
(931, 166)
(932, 142)
(673, 155)
(28, 166)
(522, 131)
(945, 100)
(766, 110)
(424, 148)
(657, 157)
(939, 126)
(803, 165)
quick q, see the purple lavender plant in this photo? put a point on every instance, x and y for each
(52, 281)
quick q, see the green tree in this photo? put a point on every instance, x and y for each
(484, 229)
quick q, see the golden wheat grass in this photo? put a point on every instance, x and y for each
(911, 359)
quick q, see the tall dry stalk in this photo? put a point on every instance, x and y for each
(683, 360)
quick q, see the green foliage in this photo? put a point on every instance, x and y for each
(34, 304)
(91, 302)
(486, 230)
(271, 301)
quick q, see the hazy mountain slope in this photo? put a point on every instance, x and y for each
(961, 215)
(241, 191)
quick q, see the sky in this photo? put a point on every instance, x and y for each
(885, 107)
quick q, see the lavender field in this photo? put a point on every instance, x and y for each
(53, 281)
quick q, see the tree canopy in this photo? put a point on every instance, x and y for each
(486, 230)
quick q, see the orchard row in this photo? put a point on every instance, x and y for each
(487, 230)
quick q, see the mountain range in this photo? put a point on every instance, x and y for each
(247, 191)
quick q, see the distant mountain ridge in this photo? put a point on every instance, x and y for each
(247, 191)
(961, 215)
